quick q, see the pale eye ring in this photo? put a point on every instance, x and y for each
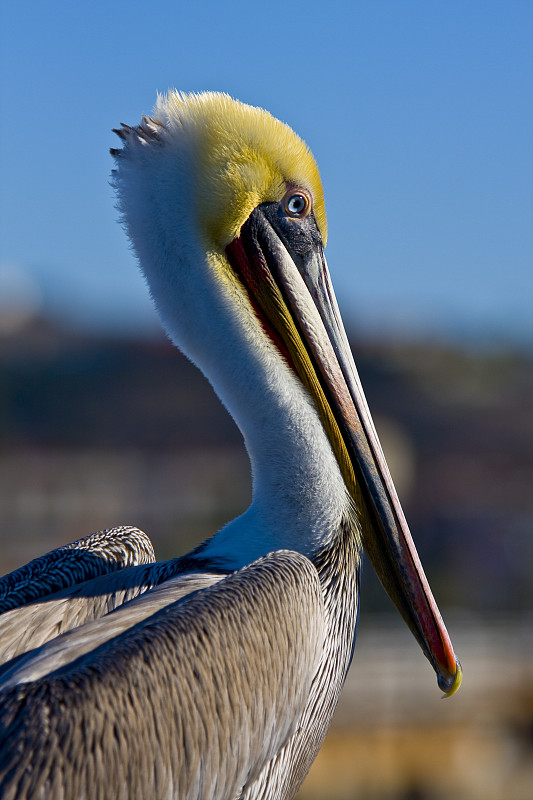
(297, 204)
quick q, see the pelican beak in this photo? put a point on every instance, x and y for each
(281, 263)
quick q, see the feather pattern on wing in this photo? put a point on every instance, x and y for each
(241, 688)
(98, 554)
(31, 626)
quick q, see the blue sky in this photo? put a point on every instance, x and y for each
(419, 114)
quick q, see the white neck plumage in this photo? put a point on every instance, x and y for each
(299, 495)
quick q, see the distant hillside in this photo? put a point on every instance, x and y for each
(91, 425)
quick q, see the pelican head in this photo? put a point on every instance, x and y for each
(225, 209)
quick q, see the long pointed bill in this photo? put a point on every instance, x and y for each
(289, 285)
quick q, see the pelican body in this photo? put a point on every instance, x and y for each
(215, 675)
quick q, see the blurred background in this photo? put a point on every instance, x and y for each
(420, 116)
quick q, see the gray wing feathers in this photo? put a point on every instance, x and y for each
(121, 558)
(62, 650)
(22, 629)
(190, 703)
(98, 554)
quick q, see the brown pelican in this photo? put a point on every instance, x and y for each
(216, 675)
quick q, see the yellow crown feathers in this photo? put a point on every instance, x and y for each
(245, 157)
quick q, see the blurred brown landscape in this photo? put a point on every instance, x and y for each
(96, 432)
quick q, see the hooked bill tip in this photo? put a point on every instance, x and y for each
(450, 685)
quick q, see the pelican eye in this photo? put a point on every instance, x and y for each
(297, 204)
